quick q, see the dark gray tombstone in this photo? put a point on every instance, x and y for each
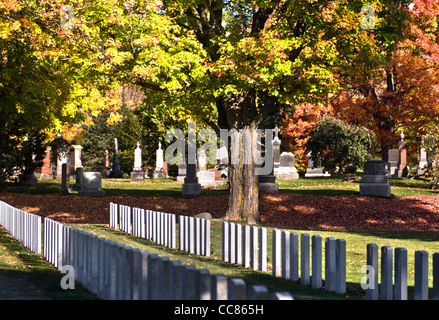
(400, 287)
(372, 262)
(115, 170)
(393, 160)
(421, 275)
(78, 176)
(374, 181)
(65, 180)
(191, 187)
(267, 183)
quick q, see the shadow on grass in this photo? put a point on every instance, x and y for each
(43, 187)
(427, 236)
(322, 192)
(167, 187)
(32, 278)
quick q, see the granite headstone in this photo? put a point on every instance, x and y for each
(374, 181)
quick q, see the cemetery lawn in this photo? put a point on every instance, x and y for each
(25, 275)
(329, 207)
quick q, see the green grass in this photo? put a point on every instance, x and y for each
(331, 186)
(25, 275)
(335, 186)
(118, 187)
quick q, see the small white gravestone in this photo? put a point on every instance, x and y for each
(159, 157)
(206, 178)
(202, 160)
(286, 169)
(423, 164)
(138, 158)
(91, 185)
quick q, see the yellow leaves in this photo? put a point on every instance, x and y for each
(146, 72)
(14, 26)
(10, 5)
(116, 57)
(114, 118)
(146, 41)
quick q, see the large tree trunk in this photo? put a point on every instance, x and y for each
(240, 113)
(244, 187)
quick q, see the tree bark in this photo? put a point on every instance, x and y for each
(240, 113)
(244, 193)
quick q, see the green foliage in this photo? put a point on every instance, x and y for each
(335, 143)
(147, 124)
(95, 140)
(20, 147)
(31, 153)
(432, 147)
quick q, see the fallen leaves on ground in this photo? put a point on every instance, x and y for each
(349, 212)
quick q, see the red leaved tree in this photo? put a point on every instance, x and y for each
(296, 129)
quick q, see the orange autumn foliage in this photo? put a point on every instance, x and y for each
(296, 129)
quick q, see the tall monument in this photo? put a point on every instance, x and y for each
(159, 172)
(137, 174)
(403, 167)
(115, 170)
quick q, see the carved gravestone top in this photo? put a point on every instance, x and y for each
(287, 159)
(393, 155)
(375, 167)
(91, 185)
(375, 171)
(374, 181)
(91, 181)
